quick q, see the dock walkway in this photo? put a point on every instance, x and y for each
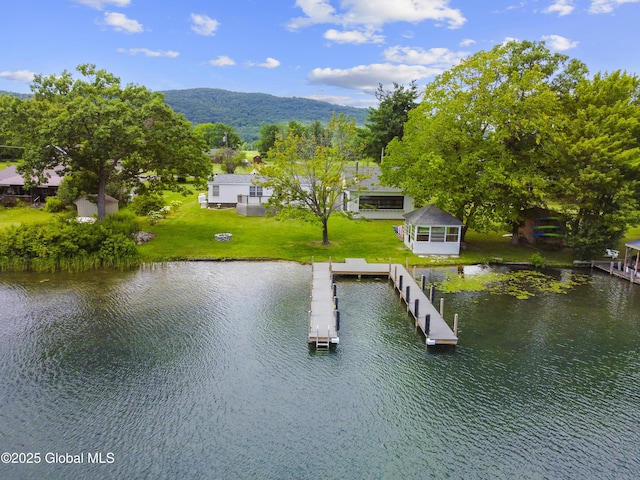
(618, 269)
(324, 318)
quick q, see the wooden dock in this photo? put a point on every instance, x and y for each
(324, 317)
(618, 269)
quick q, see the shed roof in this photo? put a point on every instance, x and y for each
(93, 199)
(431, 215)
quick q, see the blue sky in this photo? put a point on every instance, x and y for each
(332, 50)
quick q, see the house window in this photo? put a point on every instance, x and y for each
(437, 234)
(255, 191)
(452, 234)
(215, 190)
(381, 202)
(422, 234)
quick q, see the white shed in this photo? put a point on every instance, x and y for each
(87, 206)
(431, 231)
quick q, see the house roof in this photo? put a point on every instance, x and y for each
(431, 215)
(370, 179)
(236, 178)
(10, 177)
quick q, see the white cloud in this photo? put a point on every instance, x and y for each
(121, 23)
(100, 4)
(353, 36)
(561, 7)
(204, 25)
(24, 76)
(559, 43)
(149, 53)
(377, 12)
(365, 102)
(467, 42)
(316, 11)
(438, 57)
(606, 6)
(222, 61)
(268, 63)
(509, 39)
(368, 77)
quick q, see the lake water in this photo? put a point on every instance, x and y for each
(202, 370)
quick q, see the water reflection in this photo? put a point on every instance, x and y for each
(203, 371)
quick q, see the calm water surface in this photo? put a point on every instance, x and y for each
(201, 370)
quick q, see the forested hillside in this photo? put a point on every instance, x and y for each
(246, 112)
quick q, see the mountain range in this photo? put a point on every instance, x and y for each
(246, 112)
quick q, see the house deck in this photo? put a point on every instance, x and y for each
(324, 318)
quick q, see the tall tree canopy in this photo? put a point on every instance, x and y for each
(599, 184)
(479, 142)
(103, 133)
(386, 122)
(306, 169)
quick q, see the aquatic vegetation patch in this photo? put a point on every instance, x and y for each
(521, 284)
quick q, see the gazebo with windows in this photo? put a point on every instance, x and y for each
(432, 231)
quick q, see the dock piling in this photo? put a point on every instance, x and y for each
(442, 307)
(455, 324)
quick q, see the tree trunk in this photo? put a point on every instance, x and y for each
(102, 192)
(515, 239)
(325, 231)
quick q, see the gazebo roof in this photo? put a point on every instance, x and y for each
(432, 215)
(635, 244)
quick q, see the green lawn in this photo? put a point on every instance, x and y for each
(189, 233)
(18, 215)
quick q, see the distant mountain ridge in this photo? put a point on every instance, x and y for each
(246, 112)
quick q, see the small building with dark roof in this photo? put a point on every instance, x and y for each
(432, 231)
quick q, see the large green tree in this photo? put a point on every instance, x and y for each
(268, 134)
(479, 142)
(599, 184)
(104, 133)
(307, 170)
(386, 122)
(219, 135)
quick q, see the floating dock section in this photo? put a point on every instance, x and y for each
(324, 316)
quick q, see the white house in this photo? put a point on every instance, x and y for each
(229, 189)
(370, 199)
(431, 231)
(88, 208)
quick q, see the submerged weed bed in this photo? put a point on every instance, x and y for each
(521, 284)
